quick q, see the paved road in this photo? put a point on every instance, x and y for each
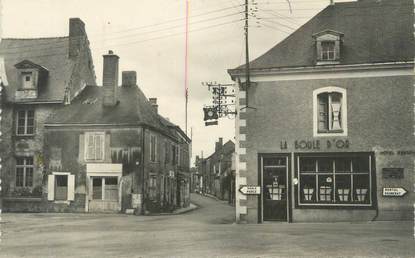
(205, 232)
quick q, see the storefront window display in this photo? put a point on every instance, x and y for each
(335, 180)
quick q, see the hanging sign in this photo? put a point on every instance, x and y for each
(250, 189)
(394, 192)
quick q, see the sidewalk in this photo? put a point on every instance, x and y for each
(191, 207)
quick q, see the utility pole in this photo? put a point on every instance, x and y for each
(247, 76)
(186, 64)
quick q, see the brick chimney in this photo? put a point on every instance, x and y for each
(77, 36)
(129, 78)
(153, 102)
(110, 79)
(219, 144)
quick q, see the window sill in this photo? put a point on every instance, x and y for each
(24, 135)
(327, 62)
(62, 202)
(330, 133)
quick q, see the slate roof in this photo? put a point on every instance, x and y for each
(87, 108)
(374, 32)
(50, 53)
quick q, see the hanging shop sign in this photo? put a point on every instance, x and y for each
(394, 191)
(250, 189)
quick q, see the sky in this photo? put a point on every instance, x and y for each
(149, 38)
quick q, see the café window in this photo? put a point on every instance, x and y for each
(335, 180)
(330, 112)
(25, 122)
(94, 142)
(105, 188)
(24, 171)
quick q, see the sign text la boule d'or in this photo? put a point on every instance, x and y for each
(250, 189)
(394, 191)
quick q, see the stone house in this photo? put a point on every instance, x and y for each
(38, 76)
(110, 151)
(326, 129)
(218, 173)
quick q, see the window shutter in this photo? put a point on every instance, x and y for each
(71, 187)
(336, 110)
(51, 187)
(98, 147)
(81, 155)
(90, 153)
(106, 147)
(318, 50)
(337, 50)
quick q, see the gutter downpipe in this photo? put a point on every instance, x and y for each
(142, 171)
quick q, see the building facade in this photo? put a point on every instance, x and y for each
(110, 151)
(79, 147)
(38, 76)
(216, 172)
(328, 132)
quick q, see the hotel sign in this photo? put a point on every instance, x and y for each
(394, 192)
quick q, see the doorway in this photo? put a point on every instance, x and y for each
(275, 184)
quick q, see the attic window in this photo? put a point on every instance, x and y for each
(328, 47)
(328, 51)
(27, 80)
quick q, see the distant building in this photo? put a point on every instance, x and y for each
(328, 134)
(216, 171)
(38, 75)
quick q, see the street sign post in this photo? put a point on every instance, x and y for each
(394, 191)
(250, 189)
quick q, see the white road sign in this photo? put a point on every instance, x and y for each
(394, 191)
(250, 189)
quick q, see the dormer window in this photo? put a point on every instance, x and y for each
(32, 77)
(328, 47)
(27, 80)
(328, 51)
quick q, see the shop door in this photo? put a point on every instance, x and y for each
(275, 191)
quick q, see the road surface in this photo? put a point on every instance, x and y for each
(206, 232)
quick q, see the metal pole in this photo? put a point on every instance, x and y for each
(247, 81)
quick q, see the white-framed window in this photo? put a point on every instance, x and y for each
(153, 148)
(61, 186)
(24, 171)
(25, 122)
(328, 46)
(94, 146)
(105, 188)
(328, 51)
(335, 179)
(330, 111)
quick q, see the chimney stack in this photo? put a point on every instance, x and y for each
(129, 78)
(110, 79)
(153, 102)
(219, 144)
(77, 35)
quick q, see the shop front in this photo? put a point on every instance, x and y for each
(104, 188)
(334, 186)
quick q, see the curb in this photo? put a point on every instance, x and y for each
(191, 207)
